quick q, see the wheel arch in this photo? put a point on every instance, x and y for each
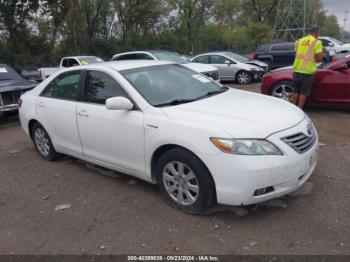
(163, 149)
(30, 126)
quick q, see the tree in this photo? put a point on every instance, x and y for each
(15, 16)
(193, 14)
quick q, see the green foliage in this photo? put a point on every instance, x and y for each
(40, 32)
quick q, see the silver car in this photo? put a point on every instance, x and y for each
(234, 67)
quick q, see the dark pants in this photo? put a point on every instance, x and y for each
(303, 83)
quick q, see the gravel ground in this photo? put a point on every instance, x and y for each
(105, 212)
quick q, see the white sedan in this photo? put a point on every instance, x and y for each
(199, 141)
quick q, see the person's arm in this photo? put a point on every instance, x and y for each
(318, 52)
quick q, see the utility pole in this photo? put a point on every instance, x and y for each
(345, 19)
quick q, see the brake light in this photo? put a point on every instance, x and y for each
(19, 102)
(253, 55)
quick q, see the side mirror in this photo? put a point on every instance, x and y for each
(119, 103)
(342, 67)
(331, 44)
(227, 62)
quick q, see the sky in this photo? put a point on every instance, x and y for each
(337, 8)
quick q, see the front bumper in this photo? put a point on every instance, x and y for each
(258, 75)
(237, 177)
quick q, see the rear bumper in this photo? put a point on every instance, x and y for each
(8, 108)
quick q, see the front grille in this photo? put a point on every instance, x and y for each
(214, 74)
(301, 142)
(10, 98)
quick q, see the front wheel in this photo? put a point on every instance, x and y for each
(184, 181)
(43, 142)
(244, 77)
(283, 90)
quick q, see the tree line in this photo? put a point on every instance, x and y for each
(39, 32)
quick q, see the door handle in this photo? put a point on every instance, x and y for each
(83, 113)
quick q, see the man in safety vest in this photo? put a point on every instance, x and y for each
(308, 52)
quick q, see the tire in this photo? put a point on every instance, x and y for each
(42, 142)
(244, 77)
(283, 90)
(195, 185)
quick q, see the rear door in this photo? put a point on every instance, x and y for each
(111, 136)
(56, 110)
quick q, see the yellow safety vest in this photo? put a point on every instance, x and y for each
(306, 49)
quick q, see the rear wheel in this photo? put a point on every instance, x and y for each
(43, 142)
(244, 77)
(184, 181)
(283, 90)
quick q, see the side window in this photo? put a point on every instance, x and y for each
(128, 57)
(144, 56)
(64, 86)
(202, 59)
(217, 59)
(69, 62)
(99, 86)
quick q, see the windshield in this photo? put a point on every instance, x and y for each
(170, 56)
(171, 84)
(237, 57)
(336, 41)
(86, 60)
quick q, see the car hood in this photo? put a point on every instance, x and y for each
(13, 85)
(239, 114)
(286, 68)
(201, 68)
(257, 63)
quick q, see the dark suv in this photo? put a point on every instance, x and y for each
(276, 55)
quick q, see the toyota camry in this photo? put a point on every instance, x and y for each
(200, 142)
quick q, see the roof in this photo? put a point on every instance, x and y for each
(123, 64)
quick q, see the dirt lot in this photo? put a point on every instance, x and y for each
(112, 213)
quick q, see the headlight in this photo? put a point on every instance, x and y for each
(246, 146)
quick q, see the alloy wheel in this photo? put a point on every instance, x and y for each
(180, 183)
(283, 91)
(42, 141)
(244, 78)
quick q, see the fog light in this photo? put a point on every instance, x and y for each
(263, 191)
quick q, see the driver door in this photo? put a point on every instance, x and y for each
(332, 86)
(226, 70)
(115, 137)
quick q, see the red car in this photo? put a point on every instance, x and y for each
(331, 86)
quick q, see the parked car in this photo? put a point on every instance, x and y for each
(68, 62)
(206, 70)
(276, 55)
(331, 85)
(332, 44)
(30, 74)
(233, 67)
(160, 122)
(279, 55)
(12, 86)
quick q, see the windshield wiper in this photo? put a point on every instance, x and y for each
(183, 101)
(210, 93)
(176, 102)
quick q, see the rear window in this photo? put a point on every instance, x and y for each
(283, 47)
